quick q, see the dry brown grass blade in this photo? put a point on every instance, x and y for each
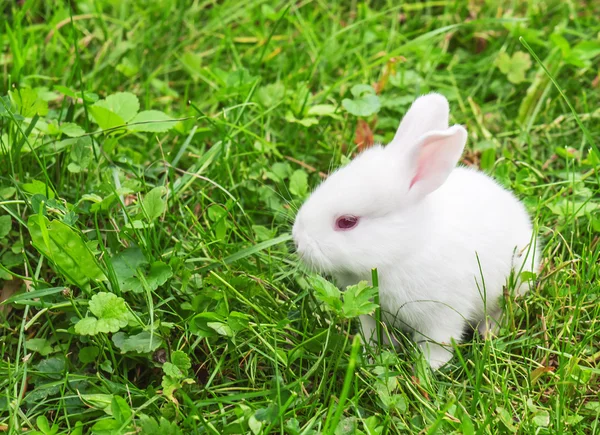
(9, 288)
(363, 136)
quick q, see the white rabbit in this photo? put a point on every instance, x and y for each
(443, 239)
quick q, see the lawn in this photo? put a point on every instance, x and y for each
(153, 155)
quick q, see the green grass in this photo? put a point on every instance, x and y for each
(218, 328)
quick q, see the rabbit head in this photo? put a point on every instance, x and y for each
(369, 213)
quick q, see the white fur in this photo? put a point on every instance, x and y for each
(443, 239)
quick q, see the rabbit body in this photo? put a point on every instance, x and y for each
(444, 239)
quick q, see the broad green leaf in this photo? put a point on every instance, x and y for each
(269, 12)
(357, 300)
(159, 274)
(52, 367)
(373, 425)
(128, 67)
(72, 130)
(322, 110)
(105, 118)
(281, 170)
(359, 91)
(268, 414)
(164, 88)
(5, 225)
(108, 306)
(263, 233)
(293, 427)
(88, 97)
(574, 419)
(586, 50)
(271, 94)
(307, 122)
(221, 328)
(107, 366)
(199, 323)
(149, 426)
(44, 426)
(170, 384)
(395, 102)
(88, 354)
(506, 418)
(255, 425)
(216, 213)
(81, 155)
(131, 263)
(152, 121)
(153, 203)
(237, 321)
(124, 104)
(108, 426)
(121, 411)
(45, 94)
(238, 78)
(172, 370)
(561, 42)
(299, 183)
(51, 128)
(36, 186)
(181, 360)
(65, 248)
(143, 342)
(192, 62)
(346, 426)
(385, 385)
(111, 315)
(29, 102)
(92, 197)
(541, 418)
(570, 208)
(326, 292)
(7, 192)
(98, 401)
(39, 345)
(125, 265)
(365, 101)
(514, 67)
(87, 326)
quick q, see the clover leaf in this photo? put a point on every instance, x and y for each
(111, 314)
(131, 263)
(514, 67)
(364, 103)
(122, 110)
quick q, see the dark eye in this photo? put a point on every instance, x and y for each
(346, 222)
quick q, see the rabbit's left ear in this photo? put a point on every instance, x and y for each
(427, 113)
(433, 158)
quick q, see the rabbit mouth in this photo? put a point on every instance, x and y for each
(311, 254)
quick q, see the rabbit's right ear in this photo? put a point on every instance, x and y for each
(427, 113)
(433, 158)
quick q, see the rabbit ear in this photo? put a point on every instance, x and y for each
(427, 113)
(433, 158)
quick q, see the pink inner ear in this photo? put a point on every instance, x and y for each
(415, 179)
(423, 162)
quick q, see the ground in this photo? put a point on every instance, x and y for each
(153, 154)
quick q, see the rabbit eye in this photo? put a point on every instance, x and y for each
(346, 222)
